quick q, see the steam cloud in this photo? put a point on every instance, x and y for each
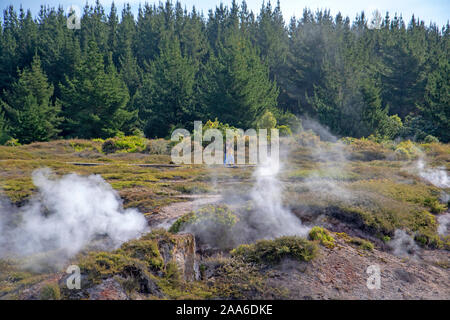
(267, 198)
(444, 224)
(260, 210)
(437, 177)
(402, 244)
(64, 217)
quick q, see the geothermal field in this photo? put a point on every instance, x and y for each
(314, 225)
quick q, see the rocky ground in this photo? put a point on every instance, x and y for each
(341, 273)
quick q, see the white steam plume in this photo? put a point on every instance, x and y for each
(403, 244)
(65, 216)
(267, 198)
(443, 224)
(439, 178)
(436, 176)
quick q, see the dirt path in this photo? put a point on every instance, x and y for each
(167, 215)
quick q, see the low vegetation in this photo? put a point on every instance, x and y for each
(323, 236)
(273, 251)
(359, 242)
(212, 225)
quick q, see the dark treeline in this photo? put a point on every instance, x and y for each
(168, 66)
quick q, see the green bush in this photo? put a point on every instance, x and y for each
(12, 143)
(363, 244)
(4, 136)
(323, 236)
(428, 240)
(222, 127)
(50, 292)
(290, 120)
(435, 206)
(267, 121)
(430, 139)
(124, 144)
(273, 251)
(406, 150)
(390, 127)
(172, 273)
(144, 250)
(284, 131)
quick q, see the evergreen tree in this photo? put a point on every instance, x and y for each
(31, 113)
(9, 59)
(94, 100)
(94, 27)
(240, 89)
(113, 25)
(373, 114)
(166, 98)
(125, 34)
(436, 108)
(4, 137)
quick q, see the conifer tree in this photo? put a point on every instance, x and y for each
(3, 130)
(94, 100)
(166, 98)
(436, 109)
(240, 88)
(31, 113)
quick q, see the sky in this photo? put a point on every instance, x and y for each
(437, 11)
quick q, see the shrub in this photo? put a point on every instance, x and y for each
(158, 146)
(144, 250)
(323, 236)
(428, 240)
(406, 150)
(430, 139)
(124, 144)
(172, 273)
(109, 146)
(435, 206)
(222, 127)
(390, 127)
(273, 251)
(363, 244)
(142, 255)
(12, 143)
(267, 121)
(284, 131)
(50, 292)
(290, 120)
